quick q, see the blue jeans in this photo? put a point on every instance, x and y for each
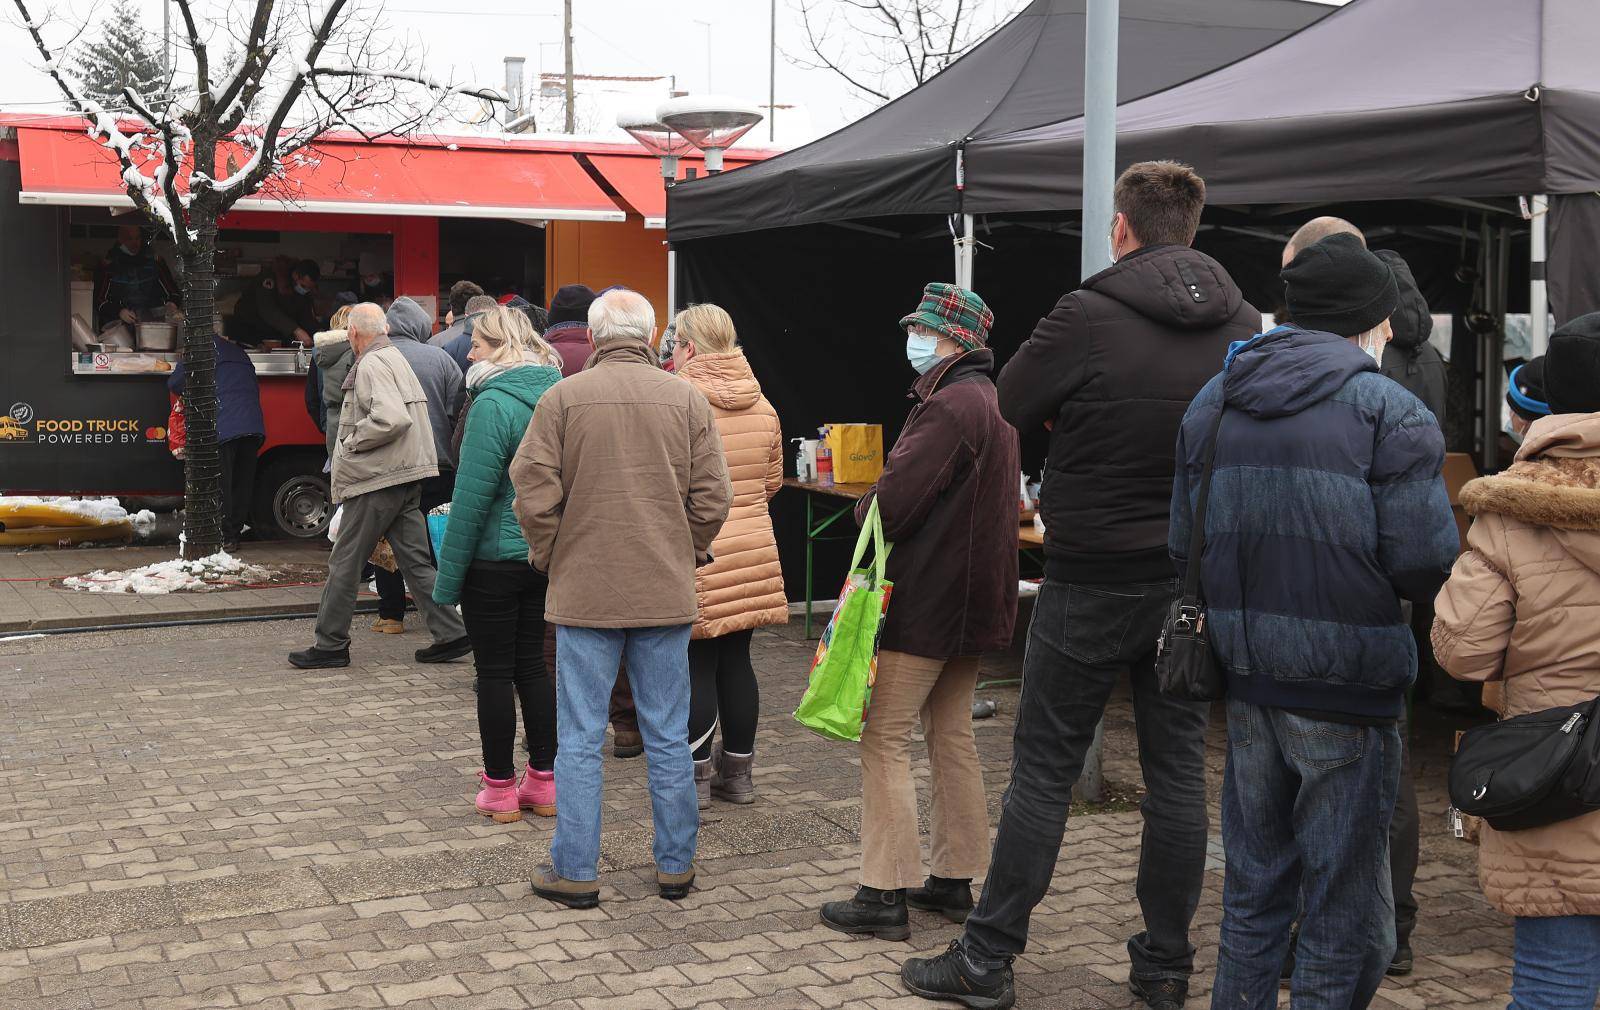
(1306, 806)
(1558, 963)
(586, 669)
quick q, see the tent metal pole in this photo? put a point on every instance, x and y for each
(966, 251)
(672, 283)
(1099, 131)
(1538, 293)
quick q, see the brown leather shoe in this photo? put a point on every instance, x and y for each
(389, 626)
(675, 886)
(547, 883)
(626, 743)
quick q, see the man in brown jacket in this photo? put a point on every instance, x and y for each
(385, 450)
(621, 487)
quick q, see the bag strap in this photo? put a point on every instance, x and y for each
(1197, 534)
(872, 532)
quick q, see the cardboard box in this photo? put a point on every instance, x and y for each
(1458, 469)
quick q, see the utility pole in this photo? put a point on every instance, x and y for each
(772, 75)
(566, 41)
(166, 42)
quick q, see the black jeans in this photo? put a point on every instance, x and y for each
(502, 603)
(722, 689)
(1403, 841)
(238, 482)
(1082, 640)
(391, 587)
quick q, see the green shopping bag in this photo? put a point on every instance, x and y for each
(846, 663)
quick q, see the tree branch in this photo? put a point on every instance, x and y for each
(815, 44)
(166, 175)
(246, 84)
(202, 73)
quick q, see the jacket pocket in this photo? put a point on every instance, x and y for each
(1323, 745)
(1097, 623)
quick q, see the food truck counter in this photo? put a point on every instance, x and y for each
(285, 361)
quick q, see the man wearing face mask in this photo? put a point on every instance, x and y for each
(270, 310)
(1109, 372)
(948, 500)
(133, 284)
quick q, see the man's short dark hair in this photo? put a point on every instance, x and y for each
(1162, 201)
(460, 293)
(307, 268)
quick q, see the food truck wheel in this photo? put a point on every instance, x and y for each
(292, 499)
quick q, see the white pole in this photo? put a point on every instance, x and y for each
(672, 283)
(966, 251)
(1099, 131)
(1538, 292)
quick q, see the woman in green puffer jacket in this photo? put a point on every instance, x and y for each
(483, 565)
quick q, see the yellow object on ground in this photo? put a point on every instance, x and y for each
(25, 536)
(14, 517)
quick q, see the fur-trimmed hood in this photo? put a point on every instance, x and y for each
(1555, 480)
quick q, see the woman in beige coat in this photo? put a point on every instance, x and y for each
(742, 589)
(1522, 609)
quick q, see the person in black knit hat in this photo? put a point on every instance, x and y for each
(1573, 378)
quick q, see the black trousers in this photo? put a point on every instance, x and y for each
(238, 482)
(1403, 841)
(502, 603)
(391, 587)
(722, 688)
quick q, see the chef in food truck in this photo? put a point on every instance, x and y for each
(271, 310)
(132, 284)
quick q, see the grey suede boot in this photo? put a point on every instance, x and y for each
(730, 777)
(702, 783)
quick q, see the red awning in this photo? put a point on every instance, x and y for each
(66, 167)
(638, 181)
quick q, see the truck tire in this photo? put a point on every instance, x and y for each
(292, 499)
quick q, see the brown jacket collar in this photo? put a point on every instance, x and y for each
(622, 351)
(1555, 480)
(952, 368)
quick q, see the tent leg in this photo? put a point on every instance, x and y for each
(1099, 131)
(966, 251)
(1538, 293)
(672, 283)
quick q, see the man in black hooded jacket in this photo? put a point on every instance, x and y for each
(1110, 372)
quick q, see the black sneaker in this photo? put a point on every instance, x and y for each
(950, 898)
(1160, 993)
(319, 659)
(879, 913)
(1400, 965)
(444, 652)
(950, 976)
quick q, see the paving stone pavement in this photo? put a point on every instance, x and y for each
(191, 823)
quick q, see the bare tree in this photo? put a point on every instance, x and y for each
(308, 71)
(884, 48)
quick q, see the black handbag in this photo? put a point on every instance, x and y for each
(1531, 770)
(1185, 665)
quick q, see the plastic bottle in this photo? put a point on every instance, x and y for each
(824, 459)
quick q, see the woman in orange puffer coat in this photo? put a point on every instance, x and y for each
(742, 589)
(1522, 610)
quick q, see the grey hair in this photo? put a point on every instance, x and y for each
(621, 315)
(367, 318)
(1317, 229)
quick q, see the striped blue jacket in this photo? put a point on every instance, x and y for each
(1327, 507)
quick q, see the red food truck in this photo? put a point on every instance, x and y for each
(79, 415)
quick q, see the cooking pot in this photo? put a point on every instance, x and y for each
(157, 336)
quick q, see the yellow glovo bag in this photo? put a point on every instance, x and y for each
(857, 452)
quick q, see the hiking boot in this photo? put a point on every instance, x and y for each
(951, 976)
(675, 886)
(949, 897)
(537, 793)
(879, 913)
(389, 626)
(702, 783)
(626, 743)
(1400, 965)
(1165, 993)
(730, 776)
(547, 883)
(444, 652)
(497, 799)
(319, 659)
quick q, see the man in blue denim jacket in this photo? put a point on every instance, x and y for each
(1327, 508)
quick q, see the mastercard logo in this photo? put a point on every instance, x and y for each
(156, 434)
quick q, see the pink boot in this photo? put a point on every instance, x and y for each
(538, 793)
(498, 799)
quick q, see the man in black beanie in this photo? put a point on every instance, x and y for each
(1573, 376)
(1326, 508)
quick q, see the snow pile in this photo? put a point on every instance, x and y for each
(101, 510)
(176, 576)
(143, 520)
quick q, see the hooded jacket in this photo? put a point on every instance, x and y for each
(483, 524)
(332, 354)
(1409, 359)
(238, 392)
(948, 501)
(384, 439)
(1110, 372)
(621, 486)
(571, 341)
(1327, 506)
(440, 378)
(742, 588)
(1522, 607)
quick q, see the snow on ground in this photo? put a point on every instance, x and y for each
(175, 576)
(19, 638)
(104, 510)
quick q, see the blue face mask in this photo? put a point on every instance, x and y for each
(301, 289)
(921, 351)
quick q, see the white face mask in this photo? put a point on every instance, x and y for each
(1111, 247)
(921, 351)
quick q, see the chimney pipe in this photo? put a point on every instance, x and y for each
(514, 105)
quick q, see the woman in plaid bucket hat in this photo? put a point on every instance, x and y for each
(948, 499)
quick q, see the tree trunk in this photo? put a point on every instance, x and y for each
(202, 469)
